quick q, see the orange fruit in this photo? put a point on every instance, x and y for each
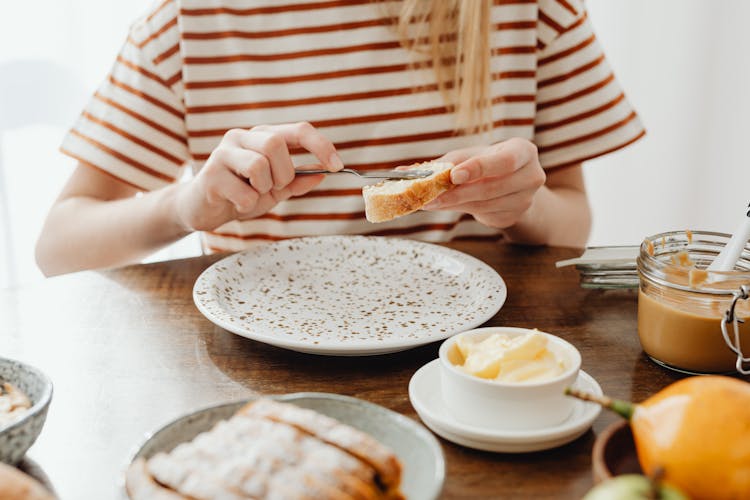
(698, 431)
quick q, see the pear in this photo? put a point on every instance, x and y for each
(633, 487)
(697, 430)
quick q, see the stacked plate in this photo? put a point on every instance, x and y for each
(606, 267)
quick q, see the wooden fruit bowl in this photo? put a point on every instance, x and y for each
(614, 453)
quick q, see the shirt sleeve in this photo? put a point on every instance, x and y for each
(581, 110)
(133, 128)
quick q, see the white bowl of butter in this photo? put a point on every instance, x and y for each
(507, 378)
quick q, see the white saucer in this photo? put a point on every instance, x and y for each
(426, 397)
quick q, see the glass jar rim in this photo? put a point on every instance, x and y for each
(651, 267)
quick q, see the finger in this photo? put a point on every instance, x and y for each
(247, 164)
(275, 196)
(303, 184)
(299, 186)
(461, 155)
(497, 161)
(516, 203)
(527, 178)
(456, 157)
(265, 203)
(476, 191)
(239, 193)
(273, 146)
(304, 135)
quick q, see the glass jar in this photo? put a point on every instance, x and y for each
(681, 304)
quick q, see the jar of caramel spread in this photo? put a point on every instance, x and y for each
(681, 304)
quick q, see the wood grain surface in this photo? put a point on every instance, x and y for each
(128, 351)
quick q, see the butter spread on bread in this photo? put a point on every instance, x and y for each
(389, 199)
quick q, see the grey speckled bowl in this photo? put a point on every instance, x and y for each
(419, 451)
(18, 437)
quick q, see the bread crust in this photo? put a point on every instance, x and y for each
(333, 432)
(384, 206)
(270, 449)
(142, 486)
(17, 485)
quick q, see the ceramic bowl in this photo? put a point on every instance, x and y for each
(614, 453)
(415, 446)
(18, 437)
(490, 404)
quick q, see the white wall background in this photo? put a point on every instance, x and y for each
(77, 41)
(683, 63)
(685, 66)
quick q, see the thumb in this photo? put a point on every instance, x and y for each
(460, 155)
(303, 184)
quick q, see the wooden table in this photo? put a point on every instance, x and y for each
(128, 351)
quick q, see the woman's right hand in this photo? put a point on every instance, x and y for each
(249, 172)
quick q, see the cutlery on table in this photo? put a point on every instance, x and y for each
(606, 267)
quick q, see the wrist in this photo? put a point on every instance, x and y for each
(172, 208)
(530, 226)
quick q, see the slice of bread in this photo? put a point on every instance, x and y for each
(141, 485)
(19, 486)
(333, 432)
(271, 450)
(389, 199)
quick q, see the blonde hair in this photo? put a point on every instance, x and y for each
(455, 35)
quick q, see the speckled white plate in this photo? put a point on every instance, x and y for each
(349, 295)
(419, 451)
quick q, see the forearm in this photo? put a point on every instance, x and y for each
(558, 216)
(83, 232)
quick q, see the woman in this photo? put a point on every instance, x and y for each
(244, 91)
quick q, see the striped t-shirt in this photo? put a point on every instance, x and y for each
(193, 69)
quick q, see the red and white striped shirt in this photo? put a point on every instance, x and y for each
(192, 69)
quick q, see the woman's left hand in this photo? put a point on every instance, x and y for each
(495, 184)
